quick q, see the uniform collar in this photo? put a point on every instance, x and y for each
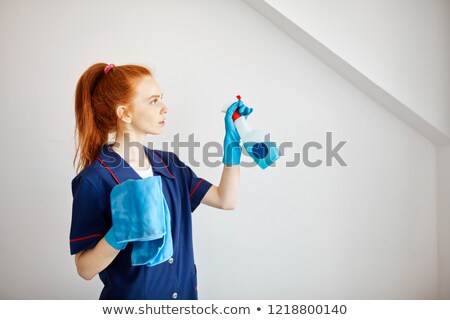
(123, 171)
(158, 164)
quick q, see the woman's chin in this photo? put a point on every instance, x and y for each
(156, 132)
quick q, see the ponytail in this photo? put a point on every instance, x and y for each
(97, 95)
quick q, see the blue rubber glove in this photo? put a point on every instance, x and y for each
(110, 237)
(232, 149)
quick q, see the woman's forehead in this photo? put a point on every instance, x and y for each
(148, 87)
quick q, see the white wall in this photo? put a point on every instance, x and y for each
(403, 45)
(443, 169)
(366, 231)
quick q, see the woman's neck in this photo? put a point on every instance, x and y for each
(131, 149)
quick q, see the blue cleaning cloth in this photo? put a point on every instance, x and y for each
(140, 215)
(151, 253)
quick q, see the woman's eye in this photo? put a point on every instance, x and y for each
(155, 101)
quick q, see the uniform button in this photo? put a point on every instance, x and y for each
(175, 295)
(171, 260)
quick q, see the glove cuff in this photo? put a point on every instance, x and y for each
(110, 237)
(232, 153)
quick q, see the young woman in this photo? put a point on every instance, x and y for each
(126, 100)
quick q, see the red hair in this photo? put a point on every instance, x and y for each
(96, 98)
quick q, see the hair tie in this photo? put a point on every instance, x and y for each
(108, 67)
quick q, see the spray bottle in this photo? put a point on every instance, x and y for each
(264, 153)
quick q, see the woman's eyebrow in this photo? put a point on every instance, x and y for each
(155, 95)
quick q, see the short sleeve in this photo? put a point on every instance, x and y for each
(88, 223)
(198, 187)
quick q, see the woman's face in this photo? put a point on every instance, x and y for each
(148, 112)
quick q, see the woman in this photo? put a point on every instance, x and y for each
(126, 100)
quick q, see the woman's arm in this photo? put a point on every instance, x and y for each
(90, 262)
(225, 195)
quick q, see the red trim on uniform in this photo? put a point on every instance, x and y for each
(113, 175)
(195, 188)
(87, 237)
(163, 164)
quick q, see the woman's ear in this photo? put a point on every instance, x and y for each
(123, 114)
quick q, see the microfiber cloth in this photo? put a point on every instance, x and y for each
(156, 251)
(140, 215)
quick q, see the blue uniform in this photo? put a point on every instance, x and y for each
(91, 219)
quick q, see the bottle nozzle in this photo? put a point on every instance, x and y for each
(236, 114)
